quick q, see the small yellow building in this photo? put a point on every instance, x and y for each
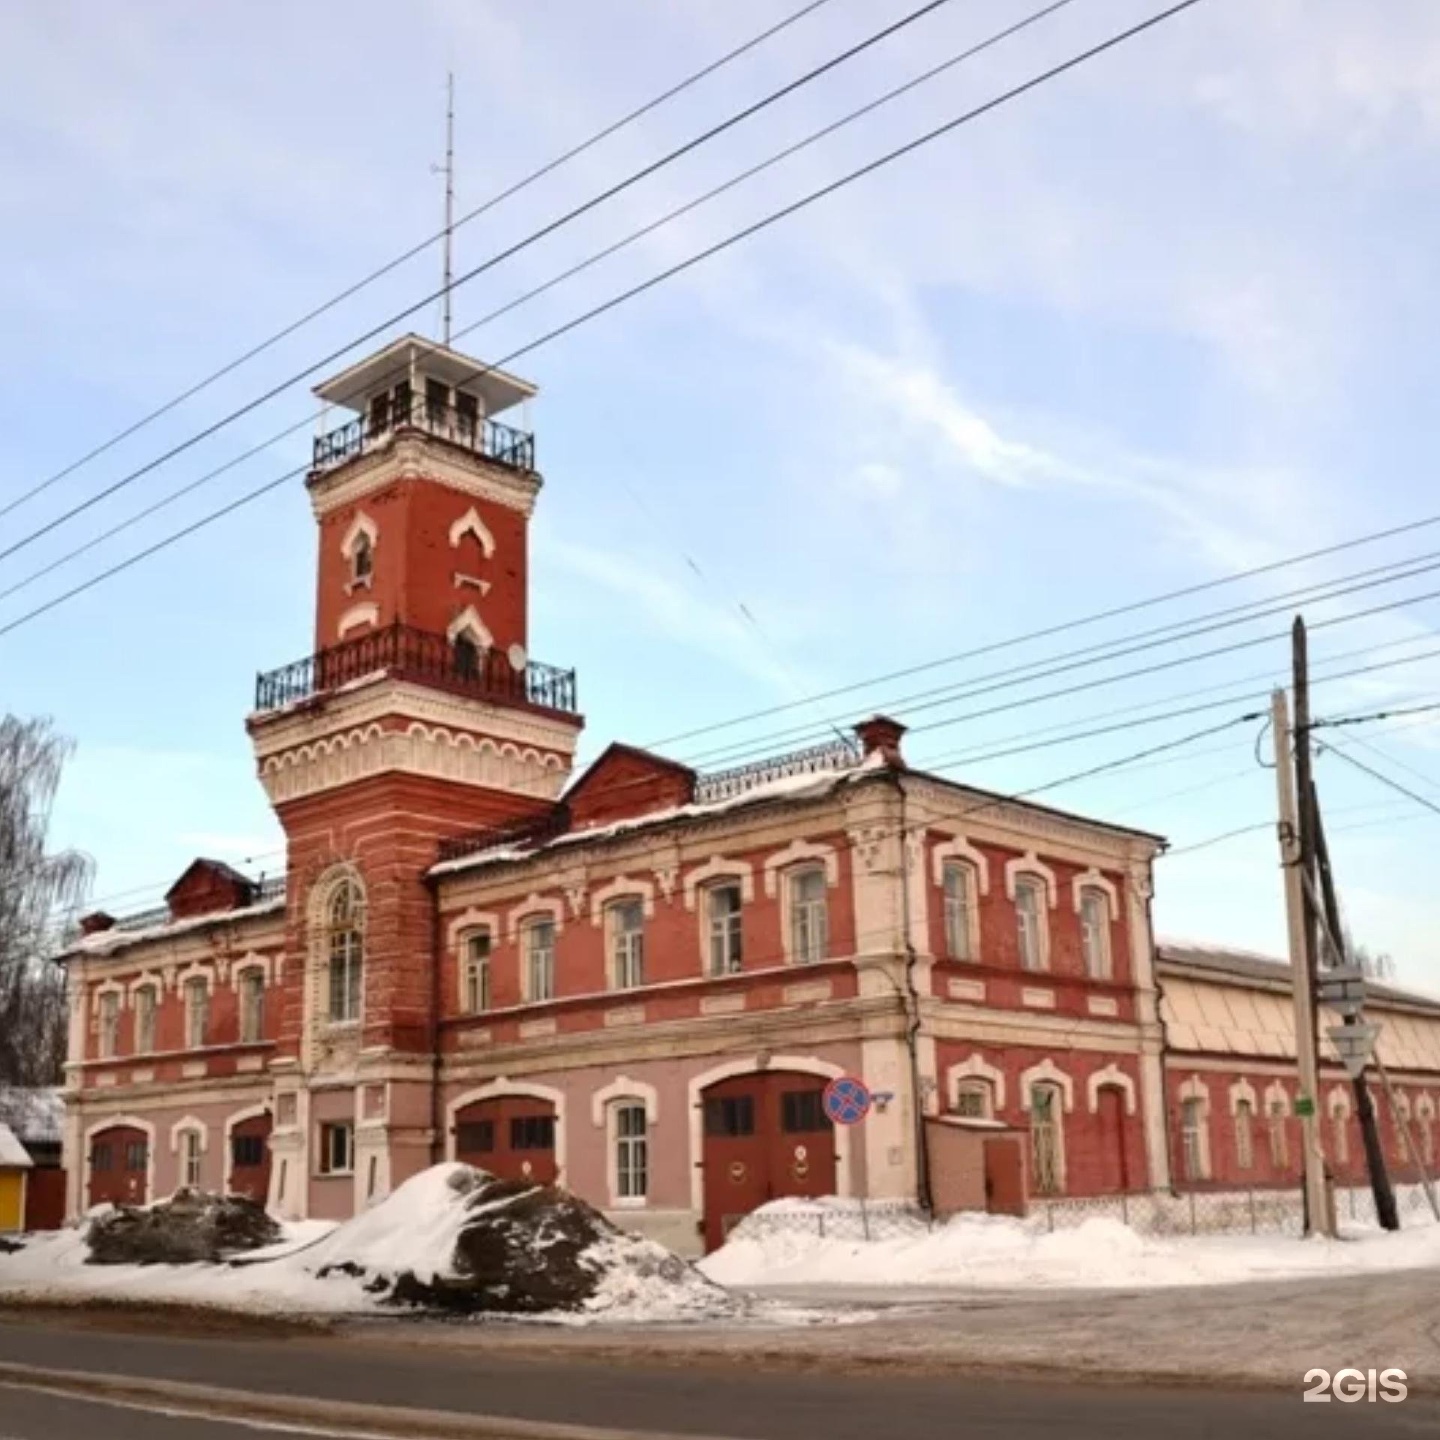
(15, 1165)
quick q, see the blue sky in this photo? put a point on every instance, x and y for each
(1168, 317)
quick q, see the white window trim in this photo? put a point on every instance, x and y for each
(367, 612)
(196, 972)
(468, 622)
(321, 1155)
(146, 977)
(1062, 1155)
(458, 931)
(1243, 1090)
(498, 1088)
(532, 908)
(1105, 970)
(1195, 1089)
(470, 523)
(959, 848)
(1337, 1102)
(189, 1122)
(1031, 864)
(1276, 1091)
(796, 853)
(250, 965)
(1114, 1077)
(1425, 1108)
(608, 921)
(603, 1105)
(719, 867)
(622, 887)
(975, 1067)
(1092, 879)
(697, 894)
(976, 888)
(110, 987)
(1047, 1070)
(787, 910)
(362, 524)
(479, 924)
(1042, 966)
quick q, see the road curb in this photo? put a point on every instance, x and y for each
(338, 1417)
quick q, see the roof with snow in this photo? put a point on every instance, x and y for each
(34, 1114)
(13, 1155)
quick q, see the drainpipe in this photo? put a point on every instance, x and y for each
(437, 1118)
(911, 1000)
(1164, 1040)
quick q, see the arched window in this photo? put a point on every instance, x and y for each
(1047, 1144)
(959, 909)
(1030, 903)
(362, 560)
(345, 946)
(1244, 1134)
(974, 1100)
(631, 1158)
(625, 922)
(1095, 931)
(805, 887)
(144, 1019)
(1193, 1138)
(467, 657)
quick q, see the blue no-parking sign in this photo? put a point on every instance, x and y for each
(847, 1100)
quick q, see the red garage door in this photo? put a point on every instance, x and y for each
(766, 1135)
(250, 1158)
(119, 1166)
(512, 1136)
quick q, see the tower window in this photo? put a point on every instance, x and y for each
(346, 922)
(362, 560)
(467, 657)
(379, 415)
(437, 404)
(467, 415)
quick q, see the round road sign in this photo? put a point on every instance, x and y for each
(847, 1100)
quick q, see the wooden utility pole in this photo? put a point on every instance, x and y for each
(1317, 1211)
(1305, 787)
(1386, 1211)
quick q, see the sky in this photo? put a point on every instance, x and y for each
(1163, 319)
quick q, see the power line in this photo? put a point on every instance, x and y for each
(645, 172)
(1373, 715)
(351, 290)
(1376, 775)
(590, 261)
(623, 297)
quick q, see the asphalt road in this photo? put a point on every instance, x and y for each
(709, 1401)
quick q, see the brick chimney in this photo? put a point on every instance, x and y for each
(880, 734)
(95, 922)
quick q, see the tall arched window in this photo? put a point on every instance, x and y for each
(1047, 1143)
(345, 945)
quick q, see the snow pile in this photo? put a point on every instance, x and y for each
(996, 1251)
(190, 1226)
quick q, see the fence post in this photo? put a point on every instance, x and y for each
(1192, 1212)
(1250, 1196)
(820, 1220)
(864, 1218)
(1124, 1208)
(1050, 1216)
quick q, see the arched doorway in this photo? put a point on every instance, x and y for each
(250, 1157)
(766, 1135)
(511, 1136)
(119, 1166)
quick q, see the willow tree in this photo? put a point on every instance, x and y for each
(37, 890)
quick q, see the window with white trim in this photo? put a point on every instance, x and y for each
(1279, 1141)
(632, 1150)
(625, 923)
(190, 1152)
(1047, 1141)
(959, 878)
(477, 972)
(362, 560)
(806, 889)
(252, 1007)
(1425, 1123)
(974, 1100)
(1339, 1134)
(1030, 900)
(1095, 931)
(337, 1148)
(1244, 1134)
(197, 1012)
(109, 1012)
(345, 944)
(537, 937)
(144, 1019)
(723, 926)
(1192, 1137)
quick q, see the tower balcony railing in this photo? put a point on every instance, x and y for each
(411, 654)
(393, 414)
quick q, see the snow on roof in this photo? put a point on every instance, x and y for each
(13, 1155)
(35, 1115)
(106, 942)
(1240, 964)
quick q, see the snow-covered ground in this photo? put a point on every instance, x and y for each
(994, 1251)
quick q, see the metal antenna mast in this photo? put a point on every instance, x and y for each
(449, 172)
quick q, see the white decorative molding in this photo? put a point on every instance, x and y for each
(470, 921)
(367, 612)
(966, 989)
(959, 848)
(1276, 1094)
(806, 992)
(627, 1015)
(531, 907)
(536, 1029)
(622, 887)
(1092, 879)
(1031, 864)
(722, 1004)
(1425, 1108)
(797, 852)
(152, 978)
(362, 524)
(1112, 1075)
(500, 1087)
(975, 1067)
(1242, 1089)
(252, 960)
(665, 878)
(624, 1088)
(190, 1122)
(1337, 1101)
(1036, 998)
(719, 867)
(1106, 1005)
(470, 523)
(196, 971)
(1196, 1089)
(1047, 1071)
(468, 622)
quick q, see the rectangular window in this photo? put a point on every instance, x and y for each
(475, 1137)
(539, 960)
(145, 1020)
(958, 911)
(1244, 1135)
(252, 1007)
(467, 415)
(1045, 1141)
(631, 1153)
(337, 1148)
(102, 1159)
(247, 1151)
(730, 1115)
(197, 1013)
(532, 1132)
(404, 403)
(723, 919)
(809, 921)
(190, 1167)
(627, 944)
(972, 1100)
(802, 1112)
(109, 1025)
(1095, 932)
(137, 1155)
(1030, 917)
(379, 415)
(477, 972)
(437, 403)
(346, 971)
(1192, 1132)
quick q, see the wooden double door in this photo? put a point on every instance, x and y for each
(250, 1158)
(119, 1166)
(512, 1136)
(766, 1135)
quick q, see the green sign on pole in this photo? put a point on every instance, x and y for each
(1304, 1105)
